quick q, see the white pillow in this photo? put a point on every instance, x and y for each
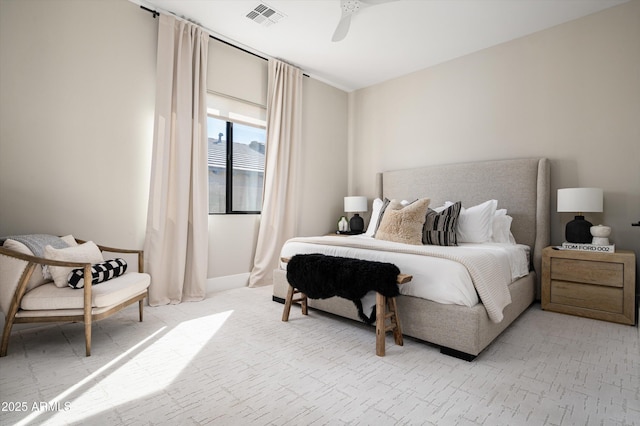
(375, 217)
(501, 229)
(87, 252)
(71, 242)
(475, 224)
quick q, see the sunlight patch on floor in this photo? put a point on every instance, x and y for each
(162, 358)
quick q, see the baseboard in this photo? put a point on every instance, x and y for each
(227, 282)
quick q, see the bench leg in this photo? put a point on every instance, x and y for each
(380, 324)
(303, 303)
(287, 304)
(382, 303)
(290, 300)
(395, 321)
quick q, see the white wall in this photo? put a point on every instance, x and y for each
(570, 93)
(78, 86)
(324, 158)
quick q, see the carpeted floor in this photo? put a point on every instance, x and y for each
(229, 360)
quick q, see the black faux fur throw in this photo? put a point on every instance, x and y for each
(320, 276)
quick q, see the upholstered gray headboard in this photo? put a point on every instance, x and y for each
(520, 185)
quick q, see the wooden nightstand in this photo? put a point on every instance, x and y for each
(593, 285)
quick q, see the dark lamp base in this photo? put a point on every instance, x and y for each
(356, 224)
(578, 231)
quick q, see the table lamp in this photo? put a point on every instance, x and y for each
(356, 204)
(579, 200)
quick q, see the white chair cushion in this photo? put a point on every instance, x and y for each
(109, 293)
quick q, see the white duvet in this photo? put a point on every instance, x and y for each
(434, 278)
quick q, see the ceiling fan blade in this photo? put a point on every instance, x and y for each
(350, 8)
(343, 28)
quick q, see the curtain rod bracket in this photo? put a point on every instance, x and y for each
(153, 12)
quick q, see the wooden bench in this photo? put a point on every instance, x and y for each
(386, 312)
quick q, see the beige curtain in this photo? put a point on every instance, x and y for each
(284, 129)
(176, 241)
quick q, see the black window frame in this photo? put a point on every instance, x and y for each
(229, 170)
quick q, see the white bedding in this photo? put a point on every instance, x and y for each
(435, 278)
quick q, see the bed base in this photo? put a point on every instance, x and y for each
(460, 331)
(443, 350)
(457, 354)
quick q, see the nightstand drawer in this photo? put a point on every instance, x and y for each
(597, 297)
(593, 285)
(589, 272)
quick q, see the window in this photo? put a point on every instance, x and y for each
(239, 147)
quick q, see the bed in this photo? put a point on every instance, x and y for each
(461, 328)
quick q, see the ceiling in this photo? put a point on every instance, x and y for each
(385, 40)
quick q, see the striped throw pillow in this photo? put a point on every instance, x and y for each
(440, 228)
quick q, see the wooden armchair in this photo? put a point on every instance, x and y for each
(22, 302)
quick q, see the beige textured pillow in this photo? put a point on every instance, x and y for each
(403, 224)
(87, 252)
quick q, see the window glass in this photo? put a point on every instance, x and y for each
(241, 148)
(248, 167)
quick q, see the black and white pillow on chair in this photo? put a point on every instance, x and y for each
(100, 272)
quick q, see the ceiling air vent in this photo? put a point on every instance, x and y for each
(265, 15)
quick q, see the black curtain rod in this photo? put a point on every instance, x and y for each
(156, 14)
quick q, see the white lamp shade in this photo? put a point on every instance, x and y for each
(355, 204)
(579, 200)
